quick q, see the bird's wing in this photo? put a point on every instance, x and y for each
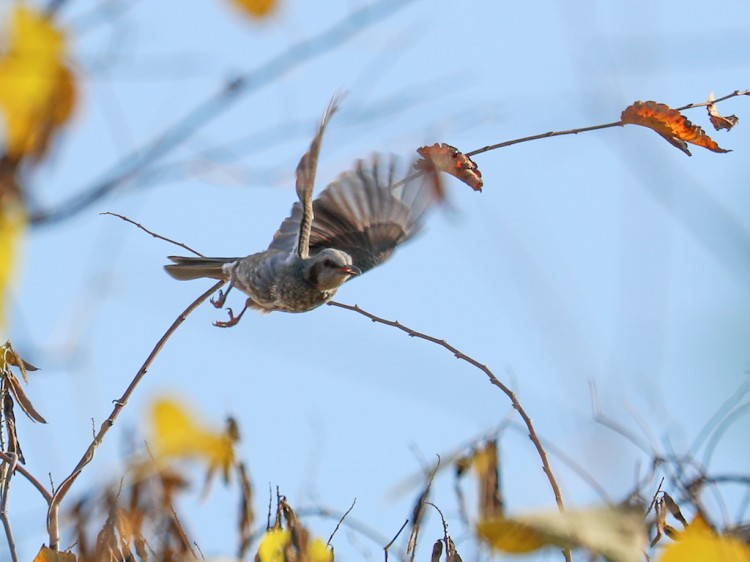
(306, 169)
(362, 214)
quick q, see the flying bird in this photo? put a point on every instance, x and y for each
(354, 225)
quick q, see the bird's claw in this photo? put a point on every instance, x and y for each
(219, 301)
(233, 320)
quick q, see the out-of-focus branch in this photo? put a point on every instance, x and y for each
(138, 161)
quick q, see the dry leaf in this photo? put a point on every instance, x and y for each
(37, 89)
(258, 9)
(446, 158)
(674, 509)
(247, 516)
(485, 463)
(9, 419)
(717, 120)
(437, 551)
(700, 543)
(14, 385)
(670, 124)
(617, 534)
(46, 554)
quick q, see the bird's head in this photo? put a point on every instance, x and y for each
(329, 269)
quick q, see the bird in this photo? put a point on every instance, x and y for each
(355, 224)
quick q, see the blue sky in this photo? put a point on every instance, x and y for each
(608, 258)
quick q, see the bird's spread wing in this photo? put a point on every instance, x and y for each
(306, 169)
(362, 214)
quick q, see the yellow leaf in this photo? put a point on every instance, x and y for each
(700, 543)
(37, 89)
(617, 534)
(272, 545)
(318, 551)
(178, 435)
(46, 554)
(257, 8)
(12, 227)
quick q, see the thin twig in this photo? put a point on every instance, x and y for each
(154, 234)
(28, 476)
(341, 520)
(350, 522)
(717, 100)
(490, 375)
(542, 136)
(54, 504)
(387, 547)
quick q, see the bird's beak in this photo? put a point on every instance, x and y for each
(351, 270)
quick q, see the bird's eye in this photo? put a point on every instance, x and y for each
(329, 263)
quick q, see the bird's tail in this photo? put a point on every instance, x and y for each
(187, 268)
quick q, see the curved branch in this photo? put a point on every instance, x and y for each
(490, 375)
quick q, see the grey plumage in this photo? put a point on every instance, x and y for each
(354, 225)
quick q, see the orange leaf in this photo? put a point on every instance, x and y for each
(257, 8)
(446, 158)
(670, 124)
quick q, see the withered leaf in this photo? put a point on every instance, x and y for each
(718, 120)
(674, 509)
(13, 445)
(452, 554)
(247, 516)
(28, 408)
(443, 157)
(488, 472)
(437, 551)
(670, 124)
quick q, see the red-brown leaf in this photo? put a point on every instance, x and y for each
(670, 124)
(446, 158)
(718, 120)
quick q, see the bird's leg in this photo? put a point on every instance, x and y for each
(219, 301)
(233, 320)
